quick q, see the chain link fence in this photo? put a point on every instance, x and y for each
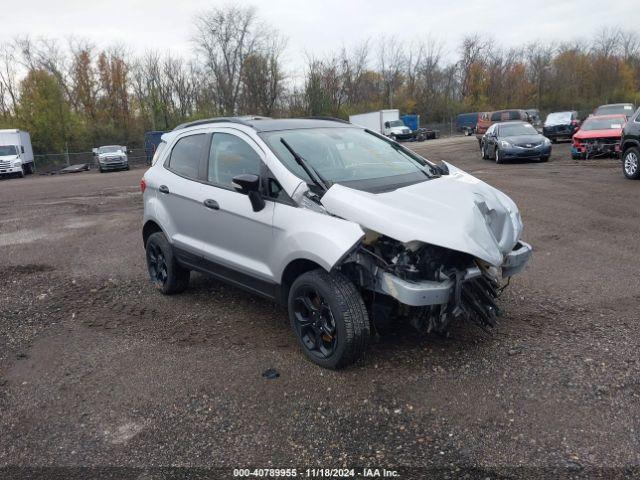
(50, 163)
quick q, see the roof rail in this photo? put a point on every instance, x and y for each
(331, 119)
(213, 120)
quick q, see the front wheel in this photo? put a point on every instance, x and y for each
(498, 156)
(631, 163)
(329, 318)
(164, 271)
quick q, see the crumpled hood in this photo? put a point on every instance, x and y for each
(456, 211)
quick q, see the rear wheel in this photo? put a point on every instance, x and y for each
(329, 318)
(631, 163)
(164, 271)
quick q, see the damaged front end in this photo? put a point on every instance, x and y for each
(431, 286)
(596, 147)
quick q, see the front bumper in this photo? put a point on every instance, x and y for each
(10, 170)
(518, 153)
(427, 292)
(114, 165)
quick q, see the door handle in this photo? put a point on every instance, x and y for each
(212, 204)
(163, 189)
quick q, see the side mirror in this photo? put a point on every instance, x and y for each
(95, 151)
(386, 124)
(249, 185)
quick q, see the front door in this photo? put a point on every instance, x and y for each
(237, 241)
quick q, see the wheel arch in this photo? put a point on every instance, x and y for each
(293, 270)
(627, 144)
(150, 227)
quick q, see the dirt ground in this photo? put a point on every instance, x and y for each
(98, 369)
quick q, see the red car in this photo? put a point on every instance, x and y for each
(599, 136)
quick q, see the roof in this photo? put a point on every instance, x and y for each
(266, 124)
(615, 104)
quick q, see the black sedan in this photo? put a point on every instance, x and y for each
(513, 141)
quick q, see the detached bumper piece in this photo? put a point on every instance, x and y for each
(470, 293)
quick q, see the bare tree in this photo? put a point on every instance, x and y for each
(227, 37)
(391, 63)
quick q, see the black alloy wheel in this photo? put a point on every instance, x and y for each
(314, 323)
(157, 265)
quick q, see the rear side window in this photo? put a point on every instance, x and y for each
(186, 154)
(230, 156)
(496, 117)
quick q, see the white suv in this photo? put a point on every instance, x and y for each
(345, 227)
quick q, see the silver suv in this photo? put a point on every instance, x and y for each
(348, 229)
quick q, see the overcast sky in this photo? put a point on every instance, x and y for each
(320, 26)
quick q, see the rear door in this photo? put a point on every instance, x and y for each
(180, 192)
(237, 241)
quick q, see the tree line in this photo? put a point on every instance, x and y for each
(73, 95)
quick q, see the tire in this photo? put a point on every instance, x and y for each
(101, 169)
(631, 163)
(483, 151)
(329, 318)
(164, 271)
(22, 172)
(544, 159)
(554, 140)
(497, 155)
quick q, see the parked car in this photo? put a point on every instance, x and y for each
(111, 157)
(630, 147)
(625, 109)
(561, 125)
(344, 226)
(598, 136)
(534, 117)
(16, 154)
(486, 119)
(513, 141)
(466, 123)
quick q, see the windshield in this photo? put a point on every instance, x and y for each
(603, 123)
(517, 129)
(558, 118)
(110, 149)
(626, 109)
(342, 155)
(396, 123)
(7, 150)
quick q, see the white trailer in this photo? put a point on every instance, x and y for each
(16, 154)
(386, 122)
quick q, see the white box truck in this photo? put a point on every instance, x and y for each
(386, 122)
(16, 154)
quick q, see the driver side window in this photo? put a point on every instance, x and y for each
(230, 156)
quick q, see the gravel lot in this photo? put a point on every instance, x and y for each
(98, 369)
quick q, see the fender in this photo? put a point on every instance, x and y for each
(301, 233)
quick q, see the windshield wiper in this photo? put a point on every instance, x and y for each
(307, 167)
